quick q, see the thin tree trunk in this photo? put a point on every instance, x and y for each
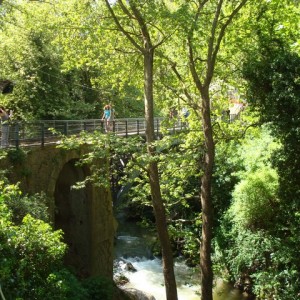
(147, 50)
(158, 206)
(202, 82)
(206, 202)
(205, 193)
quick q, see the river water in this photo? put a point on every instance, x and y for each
(133, 245)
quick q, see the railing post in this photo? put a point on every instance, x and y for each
(114, 126)
(138, 127)
(66, 128)
(126, 128)
(157, 127)
(16, 135)
(43, 134)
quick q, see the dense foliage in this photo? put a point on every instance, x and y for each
(67, 59)
(30, 250)
(275, 92)
(251, 241)
(31, 253)
(51, 78)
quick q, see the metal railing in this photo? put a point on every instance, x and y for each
(35, 133)
(43, 132)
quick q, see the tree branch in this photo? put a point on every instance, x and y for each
(192, 61)
(210, 50)
(121, 28)
(143, 27)
(214, 52)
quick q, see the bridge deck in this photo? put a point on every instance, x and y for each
(39, 133)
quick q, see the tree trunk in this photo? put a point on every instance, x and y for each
(147, 50)
(158, 206)
(206, 202)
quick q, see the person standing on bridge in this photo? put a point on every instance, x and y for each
(108, 117)
(4, 126)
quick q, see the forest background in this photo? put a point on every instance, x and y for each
(67, 59)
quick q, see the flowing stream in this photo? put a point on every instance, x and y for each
(132, 247)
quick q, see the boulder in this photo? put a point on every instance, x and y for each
(134, 294)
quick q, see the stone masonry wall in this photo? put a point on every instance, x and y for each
(85, 215)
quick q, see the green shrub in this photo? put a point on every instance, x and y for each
(63, 285)
(98, 288)
(31, 252)
(255, 200)
(17, 155)
(267, 261)
(252, 243)
(20, 205)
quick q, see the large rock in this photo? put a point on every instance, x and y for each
(134, 294)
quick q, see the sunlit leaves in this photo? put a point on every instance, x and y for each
(30, 250)
(255, 199)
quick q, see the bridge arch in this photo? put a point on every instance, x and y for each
(72, 214)
(85, 215)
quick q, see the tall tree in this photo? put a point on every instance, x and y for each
(139, 36)
(43, 88)
(203, 84)
(203, 24)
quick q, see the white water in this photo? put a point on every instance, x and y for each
(148, 277)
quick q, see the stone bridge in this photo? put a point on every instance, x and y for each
(85, 215)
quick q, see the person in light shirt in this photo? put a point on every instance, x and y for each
(108, 117)
(4, 126)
